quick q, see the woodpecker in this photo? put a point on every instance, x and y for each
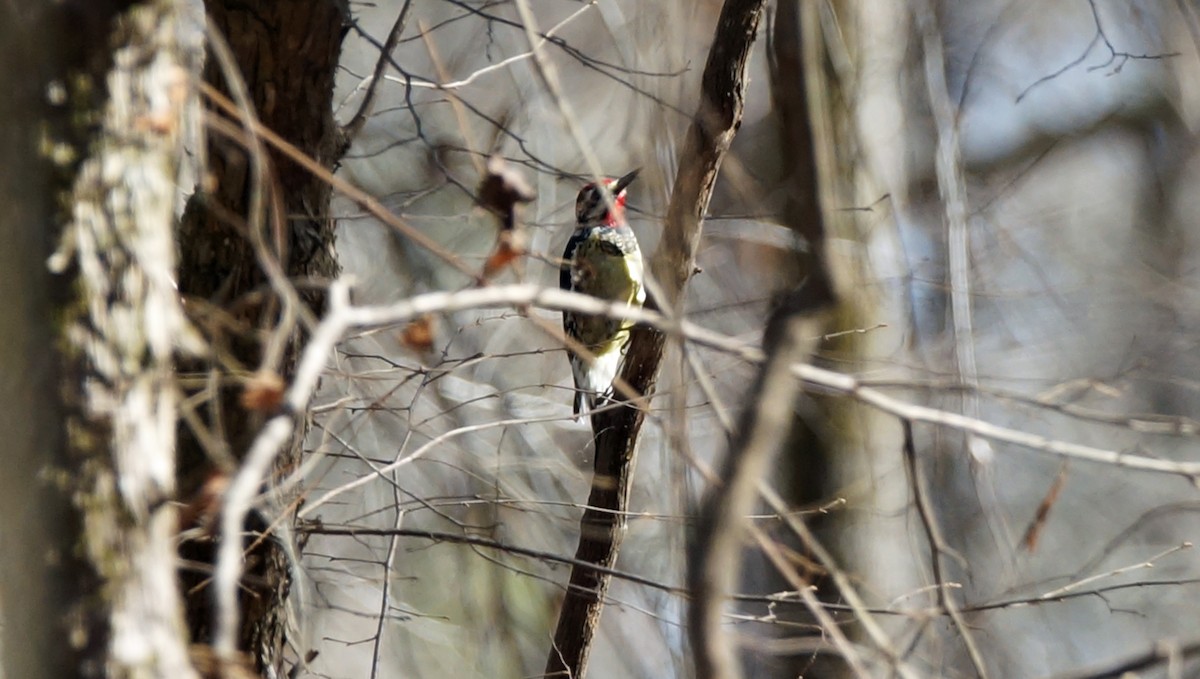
(603, 260)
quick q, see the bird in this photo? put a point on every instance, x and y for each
(602, 259)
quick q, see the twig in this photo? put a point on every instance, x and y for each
(474, 540)
(546, 71)
(789, 597)
(854, 602)
(1148, 563)
(351, 129)
(432, 444)
(1114, 55)
(385, 590)
(939, 549)
(816, 607)
(503, 63)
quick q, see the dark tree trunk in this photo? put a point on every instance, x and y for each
(286, 54)
(37, 526)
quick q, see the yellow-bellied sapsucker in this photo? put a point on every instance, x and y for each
(603, 260)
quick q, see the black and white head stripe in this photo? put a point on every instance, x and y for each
(592, 205)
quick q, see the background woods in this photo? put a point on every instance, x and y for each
(919, 351)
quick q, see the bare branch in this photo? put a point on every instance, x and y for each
(817, 379)
(940, 549)
(351, 129)
(1115, 56)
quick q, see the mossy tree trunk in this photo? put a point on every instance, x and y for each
(100, 111)
(100, 104)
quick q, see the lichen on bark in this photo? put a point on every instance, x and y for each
(126, 327)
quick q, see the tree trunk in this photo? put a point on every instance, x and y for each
(284, 55)
(39, 579)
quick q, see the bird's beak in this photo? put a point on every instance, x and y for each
(624, 182)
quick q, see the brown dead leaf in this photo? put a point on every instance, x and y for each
(418, 335)
(1034, 532)
(263, 392)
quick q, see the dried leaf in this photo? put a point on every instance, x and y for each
(263, 392)
(1034, 531)
(418, 335)
(502, 189)
(509, 248)
(202, 508)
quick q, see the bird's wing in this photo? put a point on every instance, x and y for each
(564, 271)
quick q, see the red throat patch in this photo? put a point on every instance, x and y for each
(616, 215)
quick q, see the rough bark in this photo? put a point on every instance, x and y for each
(285, 55)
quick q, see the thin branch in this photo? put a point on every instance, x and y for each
(1141, 565)
(819, 380)
(503, 63)
(549, 75)
(854, 602)
(940, 549)
(476, 541)
(825, 622)
(432, 444)
(1119, 57)
(385, 591)
(788, 597)
(351, 129)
